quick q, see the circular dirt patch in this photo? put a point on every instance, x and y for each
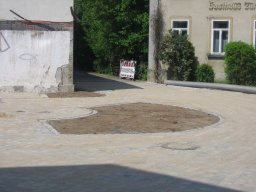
(74, 94)
(136, 118)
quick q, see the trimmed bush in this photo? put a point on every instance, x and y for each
(178, 52)
(205, 73)
(240, 60)
(142, 71)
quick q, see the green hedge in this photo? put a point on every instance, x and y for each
(142, 71)
(240, 63)
(205, 73)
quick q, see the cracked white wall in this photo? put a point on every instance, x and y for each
(46, 10)
(32, 58)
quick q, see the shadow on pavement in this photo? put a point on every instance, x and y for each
(90, 82)
(96, 178)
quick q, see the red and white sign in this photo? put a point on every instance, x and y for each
(127, 69)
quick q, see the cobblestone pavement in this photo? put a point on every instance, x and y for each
(221, 157)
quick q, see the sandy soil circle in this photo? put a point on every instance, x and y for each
(136, 118)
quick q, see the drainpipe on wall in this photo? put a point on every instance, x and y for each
(152, 43)
(155, 30)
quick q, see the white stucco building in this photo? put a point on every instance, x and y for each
(36, 45)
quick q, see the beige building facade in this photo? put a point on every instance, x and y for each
(209, 24)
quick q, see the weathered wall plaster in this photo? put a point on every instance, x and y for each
(46, 10)
(36, 53)
(33, 59)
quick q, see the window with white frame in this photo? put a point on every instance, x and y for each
(220, 36)
(181, 27)
(254, 33)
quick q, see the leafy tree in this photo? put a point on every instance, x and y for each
(115, 29)
(178, 52)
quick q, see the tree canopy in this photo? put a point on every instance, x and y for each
(113, 30)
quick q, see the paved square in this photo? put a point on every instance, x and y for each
(35, 158)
